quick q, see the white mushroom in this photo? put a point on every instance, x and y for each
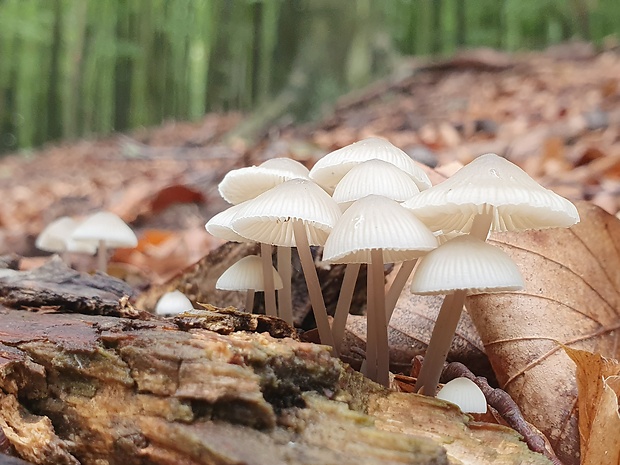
(173, 303)
(297, 213)
(109, 230)
(465, 394)
(247, 275)
(376, 230)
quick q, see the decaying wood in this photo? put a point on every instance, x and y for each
(131, 391)
(207, 387)
(55, 285)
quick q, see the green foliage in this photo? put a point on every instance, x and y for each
(75, 67)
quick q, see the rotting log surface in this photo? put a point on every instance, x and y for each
(81, 389)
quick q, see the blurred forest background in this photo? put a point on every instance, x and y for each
(71, 68)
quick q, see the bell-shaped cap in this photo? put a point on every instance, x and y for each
(329, 170)
(247, 183)
(376, 222)
(374, 177)
(246, 274)
(220, 225)
(173, 303)
(490, 181)
(465, 394)
(269, 217)
(54, 237)
(466, 263)
(107, 227)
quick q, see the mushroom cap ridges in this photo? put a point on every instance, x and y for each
(247, 183)
(269, 217)
(245, 274)
(376, 222)
(329, 170)
(490, 181)
(466, 263)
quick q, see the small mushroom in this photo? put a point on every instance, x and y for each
(465, 394)
(462, 264)
(107, 230)
(488, 194)
(56, 237)
(247, 275)
(247, 183)
(296, 213)
(173, 303)
(376, 230)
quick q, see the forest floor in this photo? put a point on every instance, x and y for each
(555, 113)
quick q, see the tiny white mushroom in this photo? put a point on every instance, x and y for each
(247, 275)
(109, 230)
(464, 393)
(173, 303)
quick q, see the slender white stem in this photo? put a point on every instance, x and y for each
(369, 367)
(344, 303)
(397, 287)
(482, 223)
(102, 257)
(439, 345)
(314, 287)
(285, 295)
(249, 300)
(270, 292)
(380, 321)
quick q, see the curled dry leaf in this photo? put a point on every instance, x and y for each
(571, 296)
(598, 379)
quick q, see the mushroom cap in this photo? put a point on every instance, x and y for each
(56, 237)
(107, 227)
(220, 225)
(173, 303)
(465, 394)
(466, 263)
(518, 202)
(269, 217)
(246, 183)
(376, 222)
(374, 177)
(246, 274)
(329, 170)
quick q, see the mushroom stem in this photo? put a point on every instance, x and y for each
(344, 303)
(397, 287)
(314, 287)
(102, 256)
(270, 292)
(369, 366)
(439, 345)
(249, 300)
(482, 223)
(285, 297)
(380, 320)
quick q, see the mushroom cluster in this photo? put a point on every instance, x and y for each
(370, 204)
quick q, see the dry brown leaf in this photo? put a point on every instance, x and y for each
(571, 296)
(598, 379)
